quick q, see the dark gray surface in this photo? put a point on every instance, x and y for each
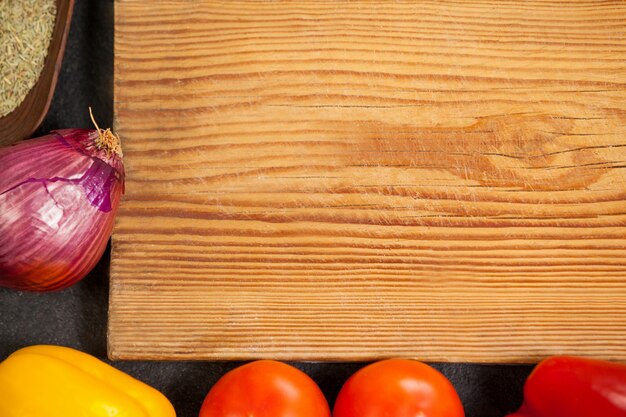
(77, 316)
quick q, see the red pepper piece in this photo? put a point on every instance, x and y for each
(564, 386)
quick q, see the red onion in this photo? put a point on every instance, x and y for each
(58, 198)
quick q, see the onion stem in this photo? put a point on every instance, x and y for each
(106, 141)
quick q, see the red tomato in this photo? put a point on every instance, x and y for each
(265, 389)
(398, 388)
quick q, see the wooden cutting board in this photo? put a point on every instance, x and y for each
(327, 180)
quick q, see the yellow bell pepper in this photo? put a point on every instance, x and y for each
(54, 381)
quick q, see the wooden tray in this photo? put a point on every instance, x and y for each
(26, 118)
(355, 180)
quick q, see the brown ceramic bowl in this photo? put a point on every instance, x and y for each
(26, 118)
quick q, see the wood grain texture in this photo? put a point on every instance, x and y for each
(356, 180)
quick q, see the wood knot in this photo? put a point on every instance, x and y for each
(526, 152)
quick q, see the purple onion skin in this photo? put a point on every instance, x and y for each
(58, 198)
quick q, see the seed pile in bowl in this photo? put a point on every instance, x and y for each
(25, 32)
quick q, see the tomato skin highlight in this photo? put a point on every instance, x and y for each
(398, 388)
(265, 389)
